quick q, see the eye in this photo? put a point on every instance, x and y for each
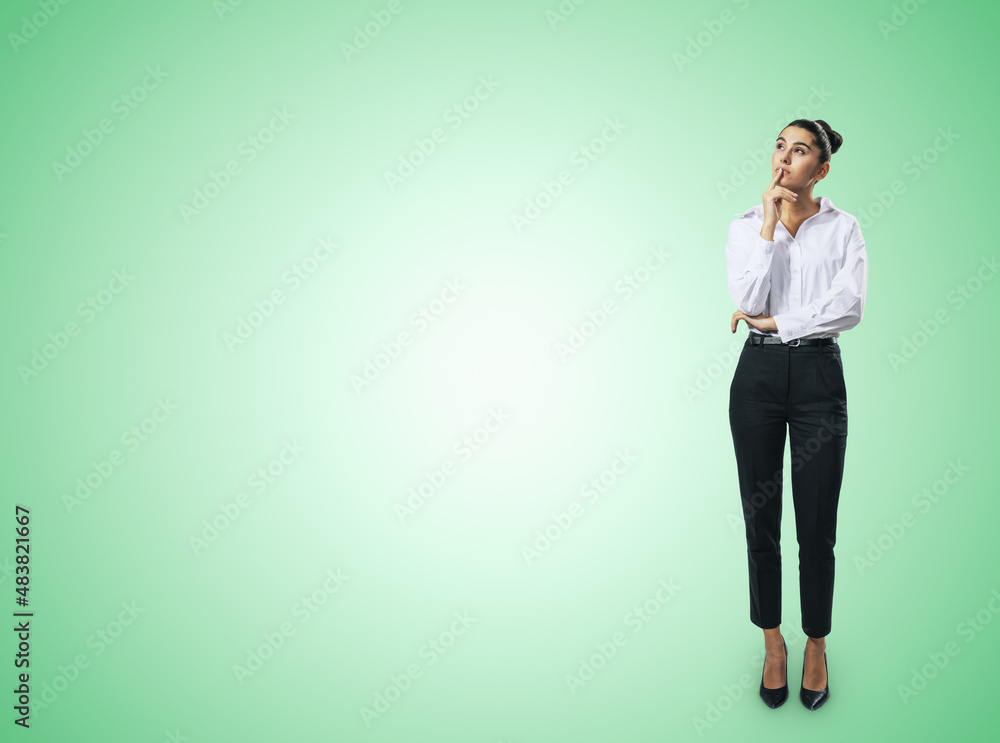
(799, 149)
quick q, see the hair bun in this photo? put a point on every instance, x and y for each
(835, 139)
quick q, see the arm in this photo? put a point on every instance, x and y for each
(748, 265)
(842, 306)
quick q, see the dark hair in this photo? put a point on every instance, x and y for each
(826, 138)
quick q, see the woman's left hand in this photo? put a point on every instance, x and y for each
(761, 322)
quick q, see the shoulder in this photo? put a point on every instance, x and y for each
(841, 217)
(754, 212)
(752, 218)
(847, 229)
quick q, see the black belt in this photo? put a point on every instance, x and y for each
(757, 339)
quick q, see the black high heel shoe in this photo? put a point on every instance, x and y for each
(814, 699)
(774, 698)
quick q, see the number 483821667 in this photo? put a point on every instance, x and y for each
(22, 551)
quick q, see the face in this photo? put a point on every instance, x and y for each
(797, 156)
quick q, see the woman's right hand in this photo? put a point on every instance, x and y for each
(773, 197)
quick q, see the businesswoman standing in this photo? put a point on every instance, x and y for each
(798, 272)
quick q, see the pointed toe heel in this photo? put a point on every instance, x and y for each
(774, 698)
(812, 699)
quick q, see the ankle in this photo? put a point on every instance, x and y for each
(815, 649)
(775, 650)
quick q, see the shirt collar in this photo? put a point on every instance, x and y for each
(758, 210)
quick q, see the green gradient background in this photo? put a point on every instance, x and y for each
(671, 516)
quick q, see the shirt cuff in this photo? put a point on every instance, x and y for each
(787, 331)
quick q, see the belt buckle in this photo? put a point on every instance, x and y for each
(796, 342)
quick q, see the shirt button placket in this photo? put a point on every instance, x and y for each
(795, 283)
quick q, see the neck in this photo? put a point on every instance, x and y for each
(801, 209)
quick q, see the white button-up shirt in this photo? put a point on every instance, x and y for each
(813, 284)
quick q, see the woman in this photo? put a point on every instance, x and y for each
(798, 272)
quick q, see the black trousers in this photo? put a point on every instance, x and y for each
(801, 387)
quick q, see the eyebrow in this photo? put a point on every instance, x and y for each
(782, 139)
